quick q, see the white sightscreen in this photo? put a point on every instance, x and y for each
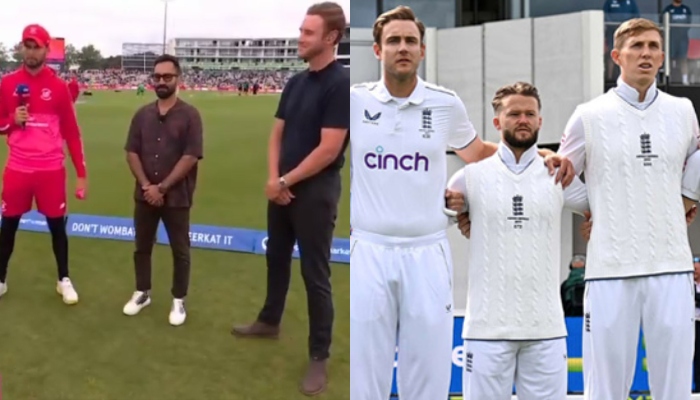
(460, 68)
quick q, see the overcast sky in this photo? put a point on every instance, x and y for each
(108, 24)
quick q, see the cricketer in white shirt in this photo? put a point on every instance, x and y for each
(401, 267)
(401, 274)
(514, 327)
(640, 270)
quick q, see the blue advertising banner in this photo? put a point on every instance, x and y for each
(201, 236)
(575, 353)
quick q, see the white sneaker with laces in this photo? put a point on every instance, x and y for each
(67, 291)
(178, 313)
(3, 288)
(139, 300)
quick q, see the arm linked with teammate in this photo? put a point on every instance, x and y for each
(576, 197)
(691, 186)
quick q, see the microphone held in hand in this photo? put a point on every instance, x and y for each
(22, 92)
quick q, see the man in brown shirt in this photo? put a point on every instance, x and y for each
(163, 148)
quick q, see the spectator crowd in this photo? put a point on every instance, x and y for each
(196, 79)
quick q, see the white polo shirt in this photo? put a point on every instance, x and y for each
(398, 157)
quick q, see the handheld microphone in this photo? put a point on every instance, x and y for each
(22, 92)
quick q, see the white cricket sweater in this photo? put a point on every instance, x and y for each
(514, 262)
(634, 166)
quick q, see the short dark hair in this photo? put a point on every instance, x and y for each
(521, 88)
(168, 58)
(400, 13)
(333, 18)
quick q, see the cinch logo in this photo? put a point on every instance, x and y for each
(388, 161)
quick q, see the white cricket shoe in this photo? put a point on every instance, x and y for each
(178, 313)
(65, 288)
(139, 300)
(3, 288)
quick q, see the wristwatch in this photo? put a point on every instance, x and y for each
(283, 182)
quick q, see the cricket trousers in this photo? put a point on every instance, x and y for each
(401, 293)
(176, 221)
(539, 369)
(614, 311)
(308, 220)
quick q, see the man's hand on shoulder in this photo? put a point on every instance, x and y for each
(566, 172)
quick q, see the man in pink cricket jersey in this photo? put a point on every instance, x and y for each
(37, 116)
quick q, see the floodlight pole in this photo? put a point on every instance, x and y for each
(165, 24)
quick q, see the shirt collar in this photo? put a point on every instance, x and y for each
(630, 94)
(322, 71)
(508, 157)
(156, 110)
(417, 96)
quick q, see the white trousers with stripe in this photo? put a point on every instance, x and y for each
(539, 370)
(400, 289)
(614, 311)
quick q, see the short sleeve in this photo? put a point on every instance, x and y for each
(337, 105)
(462, 132)
(282, 105)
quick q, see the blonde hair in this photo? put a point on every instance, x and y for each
(633, 27)
(400, 13)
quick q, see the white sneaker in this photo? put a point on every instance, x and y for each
(139, 300)
(178, 313)
(65, 288)
(3, 288)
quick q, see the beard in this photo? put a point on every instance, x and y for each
(310, 53)
(33, 63)
(165, 92)
(522, 144)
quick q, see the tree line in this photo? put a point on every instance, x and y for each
(87, 57)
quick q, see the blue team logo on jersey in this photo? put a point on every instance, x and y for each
(372, 119)
(427, 123)
(518, 216)
(379, 159)
(646, 154)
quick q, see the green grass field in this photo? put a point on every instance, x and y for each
(91, 351)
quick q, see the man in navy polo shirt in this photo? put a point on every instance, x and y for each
(305, 156)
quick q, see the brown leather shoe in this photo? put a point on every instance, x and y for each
(316, 378)
(257, 330)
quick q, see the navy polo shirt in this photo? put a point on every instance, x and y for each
(311, 101)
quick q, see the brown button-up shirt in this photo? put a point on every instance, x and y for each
(161, 142)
